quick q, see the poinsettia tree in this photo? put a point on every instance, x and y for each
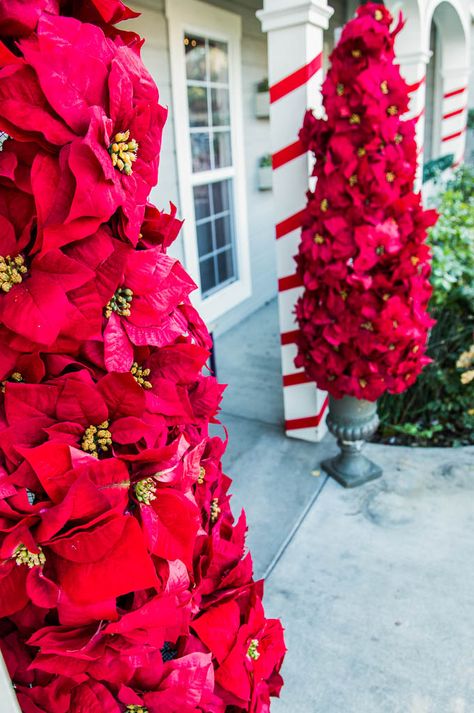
(124, 581)
(363, 258)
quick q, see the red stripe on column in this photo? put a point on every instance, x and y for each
(416, 119)
(416, 85)
(297, 79)
(453, 136)
(289, 337)
(454, 93)
(287, 154)
(289, 282)
(289, 224)
(296, 423)
(295, 379)
(454, 113)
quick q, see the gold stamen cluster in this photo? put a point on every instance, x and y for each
(252, 651)
(352, 180)
(14, 378)
(123, 152)
(354, 119)
(362, 383)
(392, 110)
(356, 53)
(384, 87)
(378, 15)
(140, 375)
(390, 176)
(12, 270)
(368, 326)
(318, 239)
(97, 439)
(201, 476)
(324, 205)
(145, 491)
(136, 709)
(398, 138)
(24, 556)
(340, 90)
(215, 509)
(361, 152)
(120, 303)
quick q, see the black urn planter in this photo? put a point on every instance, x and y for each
(352, 421)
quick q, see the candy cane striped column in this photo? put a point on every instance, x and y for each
(295, 45)
(413, 70)
(454, 113)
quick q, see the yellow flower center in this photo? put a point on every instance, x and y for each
(318, 239)
(356, 53)
(141, 375)
(390, 176)
(201, 476)
(415, 349)
(12, 270)
(378, 15)
(340, 90)
(97, 439)
(14, 378)
(392, 110)
(145, 490)
(23, 556)
(384, 87)
(343, 294)
(361, 152)
(252, 651)
(324, 205)
(120, 303)
(355, 119)
(414, 260)
(136, 709)
(362, 383)
(352, 180)
(123, 152)
(398, 138)
(380, 250)
(368, 326)
(215, 509)
(386, 296)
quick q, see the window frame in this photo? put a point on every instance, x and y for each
(198, 18)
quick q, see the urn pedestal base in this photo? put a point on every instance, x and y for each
(352, 421)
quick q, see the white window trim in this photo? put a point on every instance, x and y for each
(201, 19)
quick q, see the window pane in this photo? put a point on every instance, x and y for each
(202, 208)
(222, 149)
(223, 231)
(195, 48)
(225, 265)
(201, 151)
(197, 103)
(219, 61)
(220, 196)
(220, 107)
(208, 275)
(204, 236)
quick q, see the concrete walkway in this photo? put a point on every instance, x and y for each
(375, 586)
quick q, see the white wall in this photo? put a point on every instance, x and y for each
(153, 26)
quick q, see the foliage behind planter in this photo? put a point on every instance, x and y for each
(439, 409)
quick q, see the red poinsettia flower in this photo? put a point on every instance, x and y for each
(107, 125)
(247, 652)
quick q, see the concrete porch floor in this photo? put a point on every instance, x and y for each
(374, 585)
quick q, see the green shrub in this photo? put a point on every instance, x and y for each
(439, 408)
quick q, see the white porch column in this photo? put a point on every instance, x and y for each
(454, 113)
(295, 44)
(413, 70)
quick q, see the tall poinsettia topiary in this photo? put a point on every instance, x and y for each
(363, 258)
(124, 581)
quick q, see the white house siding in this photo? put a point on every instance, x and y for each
(153, 26)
